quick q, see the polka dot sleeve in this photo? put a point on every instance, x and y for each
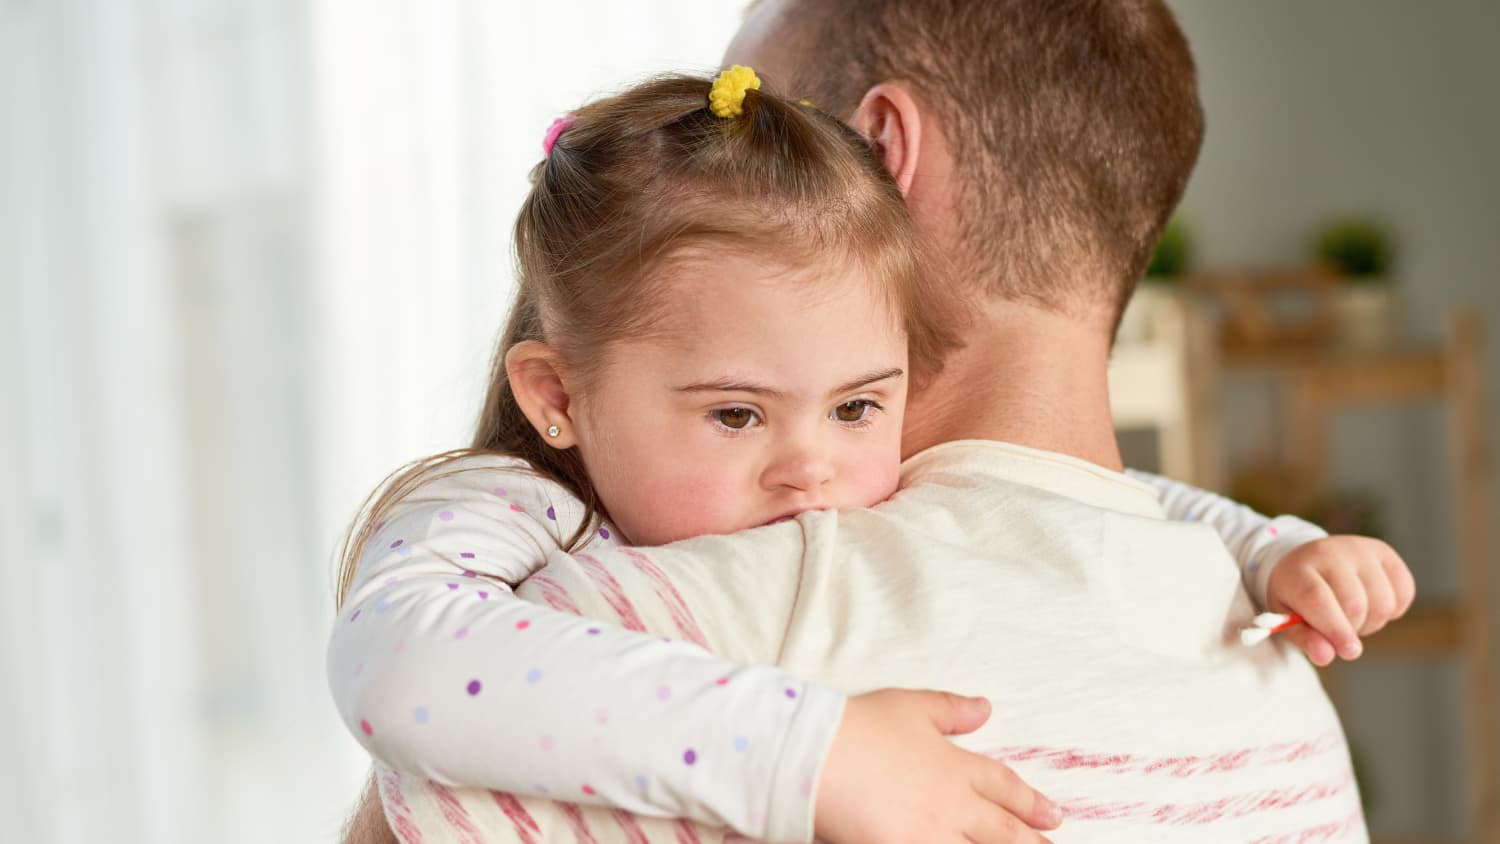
(441, 670)
(1258, 543)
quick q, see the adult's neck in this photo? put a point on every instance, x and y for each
(1025, 376)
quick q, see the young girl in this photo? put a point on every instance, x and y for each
(720, 313)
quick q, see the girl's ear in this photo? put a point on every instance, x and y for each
(535, 372)
(890, 118)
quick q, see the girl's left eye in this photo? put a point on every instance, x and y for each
(854, 411)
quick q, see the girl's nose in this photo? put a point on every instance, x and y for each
(801, 469)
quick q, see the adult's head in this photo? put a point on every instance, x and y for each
(1042, 143)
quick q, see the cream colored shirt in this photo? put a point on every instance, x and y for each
(1103, 634)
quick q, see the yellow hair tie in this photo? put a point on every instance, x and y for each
(727, 97)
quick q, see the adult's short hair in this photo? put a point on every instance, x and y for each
(1075, 123)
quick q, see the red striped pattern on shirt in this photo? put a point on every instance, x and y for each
(611, 591)
(682, 616)
(398, 812)
(1064, 759)
(526, 828)
(457, 817)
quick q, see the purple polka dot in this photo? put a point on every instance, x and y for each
(453, 586)
(551, 514)
(474, 687)
(420, 715)
(689, 756)
(467, 555)
(663, 693)
(791, 692)
(378, 525)
(741, 744)
(541, 789)
(500, 490)
(534, 675)
(468, 573)
(446, 515)
(593, 631)
(397, 543)
(356, 615)
(604, 532)
(483, 595)
(641, 782)
(389, 581)
(383, 606)
(462, 633)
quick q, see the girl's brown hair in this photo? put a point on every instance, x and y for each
(644, 177)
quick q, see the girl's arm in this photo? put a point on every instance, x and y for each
(439, 669)
(1258, 543)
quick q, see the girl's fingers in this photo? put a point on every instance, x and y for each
(998, 784)
(1402, 583)
(1381, 598)
(1318, 602)
(993, 825)
(1314, 645)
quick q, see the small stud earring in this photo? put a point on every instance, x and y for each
(554, 431)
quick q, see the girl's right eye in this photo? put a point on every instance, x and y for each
(734, 418)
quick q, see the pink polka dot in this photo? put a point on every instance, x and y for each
(589, 790)
(359, 669)
(463, 632)
(389, 581)
(400, 646)
(1273, 531)
(722, 681)
(806, 787)
(366, 728)
(446, 515)
(522, 624)
(518, 508)
(601, 716)
(500, 490)
(546, 742)
(663, 693)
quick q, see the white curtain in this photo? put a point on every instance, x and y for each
(253, 254)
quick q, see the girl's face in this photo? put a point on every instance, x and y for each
(778, 391)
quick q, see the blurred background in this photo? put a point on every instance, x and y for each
(254, 254)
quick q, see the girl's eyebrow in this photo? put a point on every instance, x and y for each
(866, 380)
(729, 385)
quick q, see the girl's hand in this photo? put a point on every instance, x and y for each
(893, 776)
(1344, 587)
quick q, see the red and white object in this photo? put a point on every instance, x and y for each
(1266, 625)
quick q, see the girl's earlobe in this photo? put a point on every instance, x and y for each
(535, 372)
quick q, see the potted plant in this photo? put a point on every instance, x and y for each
(1359, 251)
(1157, 289)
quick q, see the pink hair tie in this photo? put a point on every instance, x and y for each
(559, 126)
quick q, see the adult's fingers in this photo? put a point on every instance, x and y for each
(1003, 787)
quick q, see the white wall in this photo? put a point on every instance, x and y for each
(1391, 108)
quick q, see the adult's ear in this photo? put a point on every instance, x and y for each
(535, 371)
(889, 116)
